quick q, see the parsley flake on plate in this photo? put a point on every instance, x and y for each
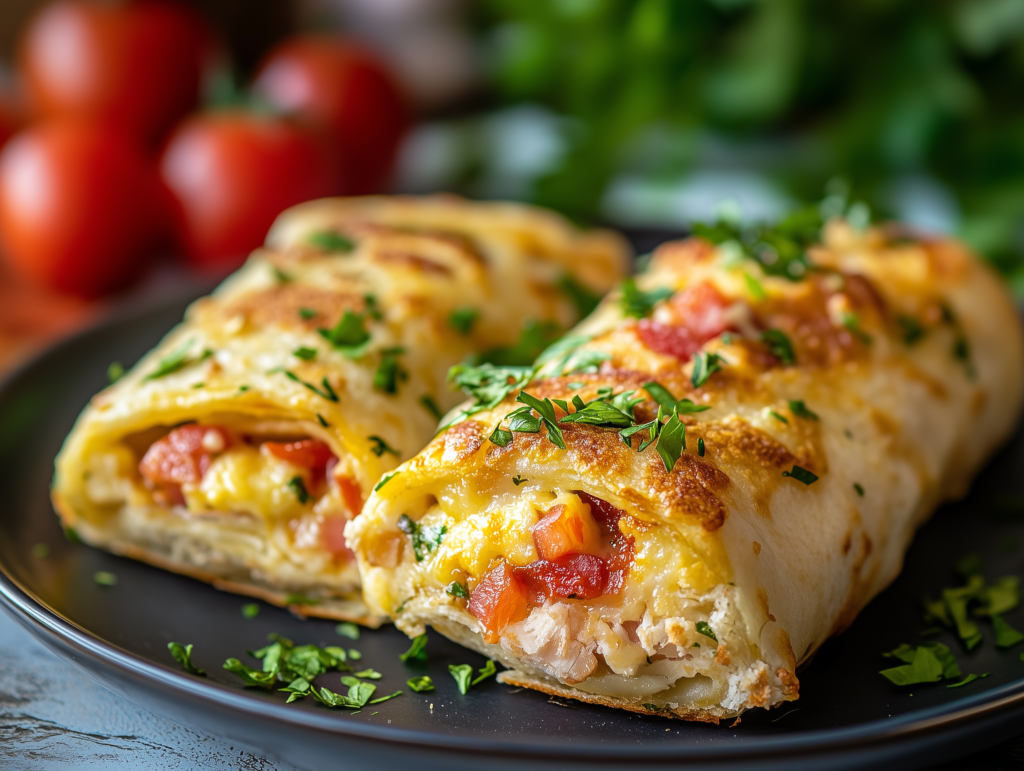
(183, 655)
(417, 651)
(115, 372)
(422, 684)
(250, 610)
(347, 629)
(463, 674)
(104, 578)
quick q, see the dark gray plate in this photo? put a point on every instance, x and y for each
(847, 715)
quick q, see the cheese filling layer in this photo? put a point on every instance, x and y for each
(560, 584)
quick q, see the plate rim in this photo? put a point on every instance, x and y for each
(49, 625)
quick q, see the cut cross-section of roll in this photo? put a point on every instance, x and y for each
(710, 476)
(238, 449)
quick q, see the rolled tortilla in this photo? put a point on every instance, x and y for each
(236, 450)
(835, 398)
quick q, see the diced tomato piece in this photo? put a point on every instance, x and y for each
(566, 530)
(306, 453)
(698, 316)
(576, 576)
(351, 493)
(499, 600)
(668, 340)
(183, 456)
(621, 548)
(332, 535)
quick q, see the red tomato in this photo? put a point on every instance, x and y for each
(138, 65)
(184, 454)
(232, 173)
(347, 89)
(79, 205)
(307, 453)
(500, 599)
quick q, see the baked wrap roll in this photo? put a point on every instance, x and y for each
(237, 449)
(710, 476)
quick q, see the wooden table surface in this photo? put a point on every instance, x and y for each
(52, 716)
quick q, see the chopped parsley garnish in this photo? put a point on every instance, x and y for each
(546, 410)
(250, 610)
(385, 698)
(851, 322)
(429, 403)
(778, 417)
(197, 386)
(707, 631)
(800, 474)
(969, 679)
(798, 408)
(566, 357)
(859, 489)
(601, 413)
(417, 651)
(380, 446)
(422, 684)
(580, 295)
(661, 395)
(754, 287)
(41, 551)
(518, 479)
(389, 372)
(780, 345)
(637, 303)
(347, 629)
(455, 589)
(183, 655)
(369, 674)
(304, 353)
(487, 385)
(115, 372)
(280, 275)
(296, 667)
(700, 447)
(243, 388)
(298, 486)
(425, 538)
(671, 441)
(1006, 635)
(462, 319)
(177, 359)
(307, 313)
(911, 328)
(927, 663)
(349, 335)
(704, 366)
(780, 249)
(384, 480)
(325, 391)
(463, 674)
(330, 241)
(321, 421)
(500, 437)
(104, 578)
(71, 535)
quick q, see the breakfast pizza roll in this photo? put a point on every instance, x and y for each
(237, 450)
(708, 477)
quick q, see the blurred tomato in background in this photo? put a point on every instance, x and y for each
(80, 206)
(138, 65)
(232, 172)
(134, 152)
(349, 91)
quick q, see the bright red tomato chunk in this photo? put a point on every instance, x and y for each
(311, 454)
(575, 577)
(698, 316)
(499, 600)
(183, 456)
